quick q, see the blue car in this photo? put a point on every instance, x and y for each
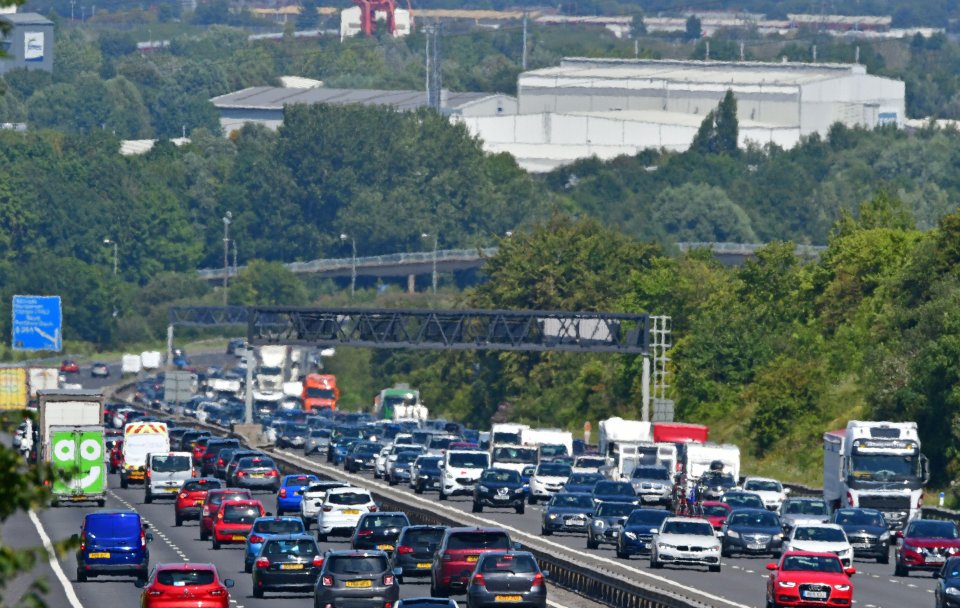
(114, 543)
(636, 536)
(614, 491)
(265, 528)
(290, 493)
(525, 476)
(582, 482)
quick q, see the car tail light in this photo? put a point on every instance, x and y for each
(850, 501)
(388, 579)
(148, 473)
(241, 474)
(327, 509)
(143, 539)
(262, 562)
(193, 472)
(447, 557)
(317, 561)
(920, 502)
(182, 496)
(272, 473)
(283, 492)
(83, 543)
(364, 532)
(372, 508)
(255, 539)
(220, 462)
(404, 550)
(206, 510)
(478, 580)
(327, 581)
(537, 580)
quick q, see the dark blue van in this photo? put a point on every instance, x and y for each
(113, 543)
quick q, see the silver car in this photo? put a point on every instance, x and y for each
(798, 511)
(317, 441)
(653, 485)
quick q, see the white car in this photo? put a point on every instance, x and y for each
(312, 502)
(685, 541)
(380, 464)
(380, 468)
(821, 538)
(341, 510)
(770, 491)
(547, 480)
(588, 464)
(461, 470)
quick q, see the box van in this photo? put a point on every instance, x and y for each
(166, 474)
(115, 543)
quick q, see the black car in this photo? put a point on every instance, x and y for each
(636, 535)
(398, 471)
(566, 512)
(715, 484)
(289, 562)
(606, 522)
(614, 491)
(293, 435)
(868, 533)
(379, 530)
(582, 482)
(416, 547)
(743, 500)
(751, 532)
(426, 474)
(499, 488)
(947, 593)
(362, 455)
(356, 578)
(508, 574)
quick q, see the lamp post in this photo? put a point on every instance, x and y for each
(234, 243)
(435, 241)
(353, 264)
(107, 241)
(226, 243)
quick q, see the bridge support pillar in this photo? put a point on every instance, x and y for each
(411, 283)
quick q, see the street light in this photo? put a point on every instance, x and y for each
(353, 265)
(435, 240)
(107, 241)
(226, 243)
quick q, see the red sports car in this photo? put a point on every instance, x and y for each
(806, 579)
(716, 512)
(211, 504)
(185, 586)
(192, 495)
(234, 521)
(926, 545)
(69, 366)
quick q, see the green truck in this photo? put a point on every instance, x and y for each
(71, 440)
(399, 402)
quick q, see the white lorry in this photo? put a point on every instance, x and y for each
(553, 442)
(140, 439)
(876, 465)
(507, 434)
(269, 376)
(700, 458)
(42, 379)
(130, 364)
(616, 431)
(71, 441)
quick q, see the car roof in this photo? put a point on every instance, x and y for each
(754, 478)
(511, 553)
(246, 502)
(822, 525)
(346, 489)
(187, 566)
(113, 513)
(750, 510)
(715, 503)
(278, 518)
(298, 476)
(356, 553)
(577, 494)
(464, 529)
(810, 554)
(292, 536)
(697, 520)
(379, 513)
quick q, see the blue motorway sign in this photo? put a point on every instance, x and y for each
(37, 323)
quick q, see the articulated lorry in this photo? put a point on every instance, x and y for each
(71, 440)
(876, 465)
(399, 403)
(320, 391)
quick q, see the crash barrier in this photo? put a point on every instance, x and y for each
(797, 489)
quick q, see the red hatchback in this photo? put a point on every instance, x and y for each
(809, 579)
(234, 521)
(458, 554)
(192, 495)
(926, 545)
(716, 512)
(211, 504)
(185, 586)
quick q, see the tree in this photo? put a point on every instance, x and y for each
(308, 17)
(719, 131)
(701, 213)
(267, 284)
(694, 28)
(117, 43)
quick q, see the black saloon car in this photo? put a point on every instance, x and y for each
(289, 562)
(499, 488)
(753, 532)
(566, 513)
(867, 532)
(379, 530)
(416, 547)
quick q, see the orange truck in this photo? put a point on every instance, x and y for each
(320, 391)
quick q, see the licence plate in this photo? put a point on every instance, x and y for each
(500, 497)
(935, 559)
(508, 598)
(755, 546)
(576, 522)
(257, 475)
(99, 555)
(291, 566)
(815, 595)
(385, 547)
(238, 537)
(471, 559)
(198, 502)
(860, 545)
(351, 512)
(174, 490)
(356, 584)
(423, 565)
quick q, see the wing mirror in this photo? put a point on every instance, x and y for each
(850, 571)
(228, 583)
(898, 533)
(786, 490)
(398, 571)
(545, 573)
(771, 566)
(139, 583)
(517, 546)
(149, 537)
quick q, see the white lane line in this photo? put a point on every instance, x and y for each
(452, 512)
(554, 604)
(54, 564)
(156, 530)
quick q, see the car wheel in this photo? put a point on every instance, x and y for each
(724, 551)
(437, 592)
(545, 532)
(81, 576)
(899, 570)
(216, 544)
(655, 562)
(204, 535)
(321, 538)
(417, 489)
(520, 508)
(531, 500)
(147, 498)
(392, 481)
(247, 567)
(715, 568)
(884, 559)
(177, 520)
(591, 543)
(442, 495)
(123, 482)
(257, 592)
(102, 503)
(477, 507)
(622, 554)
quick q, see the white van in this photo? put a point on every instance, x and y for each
(166, 474)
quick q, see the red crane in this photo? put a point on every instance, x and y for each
(369, 10)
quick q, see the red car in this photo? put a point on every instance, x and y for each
(200, 447)
(457, 556)
(191, 497)
(69, 366)
(211, 504)
(806, 579)
(234, 521)
(185, 586)
(926, 545)
(716, 512)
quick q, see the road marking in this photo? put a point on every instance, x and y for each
(157, 531)
(54, 563)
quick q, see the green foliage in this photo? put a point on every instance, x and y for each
(308, 18)
(267, 284)
(694, 30)
(701, 213)
(116, 43)
(718, 131)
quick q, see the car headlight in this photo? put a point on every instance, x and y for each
(518, 490)
(787, 584)
(952, 591)
(598, 523)
(483, 488)
(552, 515)
(665, 546)
(842, 587)
(777, 536)
(397, 470)
(630, 535)
(733, 534)
(885, 537)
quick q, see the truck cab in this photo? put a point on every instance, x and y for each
(320, 391)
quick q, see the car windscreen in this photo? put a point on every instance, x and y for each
(441, 443)
(651, 473)
(429, 464)
(423, 536)
(501, 476)
(647, 517)
(805, 507)
(216, 499)
(812, 563)
(356, 564)
(572, 501)
(549, 451)
(514, 454)
(688, 527)
(283, 526)
(200, 485)
(324, 486)
(296, 429)
(743, 501)
(298, 480)
(508, 564)
(715, 510)
(614, 488)
(760, 485)
(583, 479)
(818, 534)
(553, 470)
(404, 458)
(590, 462)
(320, 393)
(754, 519)
(615, 509)
(170, 463)
(185, 578)
(112, 526)
(374, 522)
(469, 460)
(860, 518)
(348, 498)
(932, 529)
(240, 514)
(293, 547)
(255, 463)
(320, 433)
(478, 540)
(508, 438)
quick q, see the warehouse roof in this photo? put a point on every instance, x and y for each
(695, 72)
(275, 98)
(26, 19)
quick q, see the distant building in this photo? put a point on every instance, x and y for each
(28, 44)
(350, 25)
(265, 105)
